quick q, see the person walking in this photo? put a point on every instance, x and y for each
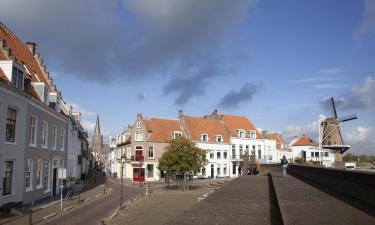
(284, 165)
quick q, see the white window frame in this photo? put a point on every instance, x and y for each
(15, 126)
(219, 138)
(218, 154)
(153, 152)
(138, 136)
(39, 162)
(251, 134)
(62, 139)
(17, 78)
(30, 164)
(33, 131)
(204, 135)
(177, 134)
(225, 154)
(11, 181)
(54, 137)
(44, 137)
(212, 153)
(241, 133)
(47, 187)
(139, 124)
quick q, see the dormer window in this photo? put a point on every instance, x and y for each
(177, 134)
(251, 134)
(139, 124)
(219, 138)
(17, 78)
(204, 137)
(241, 133)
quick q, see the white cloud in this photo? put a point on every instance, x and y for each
(83, 111)
(358, 135)
(362, 97)
(311, 130)
(330, 71)
(329, 86)
(367, 26)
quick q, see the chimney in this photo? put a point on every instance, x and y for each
(180, 113)
(32, 47)
(139, 116)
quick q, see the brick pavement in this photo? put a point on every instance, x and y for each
(246, 200)
(302, 203)
(163, 204)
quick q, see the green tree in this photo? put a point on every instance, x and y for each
(182, 156)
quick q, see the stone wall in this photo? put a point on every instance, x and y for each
(354, 184)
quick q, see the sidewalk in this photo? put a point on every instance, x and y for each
(51, 207)
(301, 203)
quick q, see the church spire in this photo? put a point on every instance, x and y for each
(97, 126)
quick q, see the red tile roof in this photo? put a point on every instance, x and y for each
(161, 130)
(233, 123)
(303, 141)
(21, 53)
(278, 138)
(196, 126)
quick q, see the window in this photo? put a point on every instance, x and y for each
(259, 154)
(139, 153)
(312, 154)
(10, 129)
(204, 137)
(316, 154)
(218, 169)
(44, 134)
(139, 124)
(46, 175)
(33, 125)
(225, 170)
(150, 170)
(219, 138)
(17, 78)
(233, 151)
(39, 173)
(150, 152)
(138, 136)
(177, 134)
(29, 174)
(211, 154)
(241, 133)
(62, 139)
(7, 177)
(218, 154)
(54, 137)
(251, 134)
(225, 155)
(326, 154)
(241, 151)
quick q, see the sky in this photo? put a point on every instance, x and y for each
(276, 62)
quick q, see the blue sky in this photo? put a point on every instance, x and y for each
(273, 61)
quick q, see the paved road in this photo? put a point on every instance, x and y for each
(92, 212)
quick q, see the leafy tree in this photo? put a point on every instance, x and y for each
(182, 156)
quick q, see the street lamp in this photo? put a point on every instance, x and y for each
(122, 161)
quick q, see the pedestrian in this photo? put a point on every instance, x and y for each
(239, 171)
(284, 165)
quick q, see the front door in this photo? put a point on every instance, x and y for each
(139, 174)
(212, 171)
(54, 181)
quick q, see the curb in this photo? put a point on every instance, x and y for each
(277, 200)
(49, 216)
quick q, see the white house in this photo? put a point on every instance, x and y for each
(307, 151)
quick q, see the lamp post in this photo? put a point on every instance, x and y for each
(122, 161)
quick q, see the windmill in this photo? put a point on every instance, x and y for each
(329, 132)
